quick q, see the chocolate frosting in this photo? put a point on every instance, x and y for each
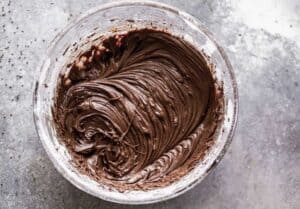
(139, 109)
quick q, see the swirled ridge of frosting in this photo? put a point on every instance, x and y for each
(138, 110)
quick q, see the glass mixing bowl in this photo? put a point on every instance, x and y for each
(105, 20)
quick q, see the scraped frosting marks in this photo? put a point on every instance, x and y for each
(139, 110)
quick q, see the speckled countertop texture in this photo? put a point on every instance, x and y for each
(262, 167)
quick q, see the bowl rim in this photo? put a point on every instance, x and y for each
(187, 17)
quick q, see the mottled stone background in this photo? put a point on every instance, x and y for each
(262, 167)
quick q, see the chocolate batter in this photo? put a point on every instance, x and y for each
(139, 110)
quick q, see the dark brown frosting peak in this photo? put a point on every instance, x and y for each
(137, 108)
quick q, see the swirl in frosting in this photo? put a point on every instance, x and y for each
(139, 109)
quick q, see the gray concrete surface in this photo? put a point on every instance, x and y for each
(262, 167)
